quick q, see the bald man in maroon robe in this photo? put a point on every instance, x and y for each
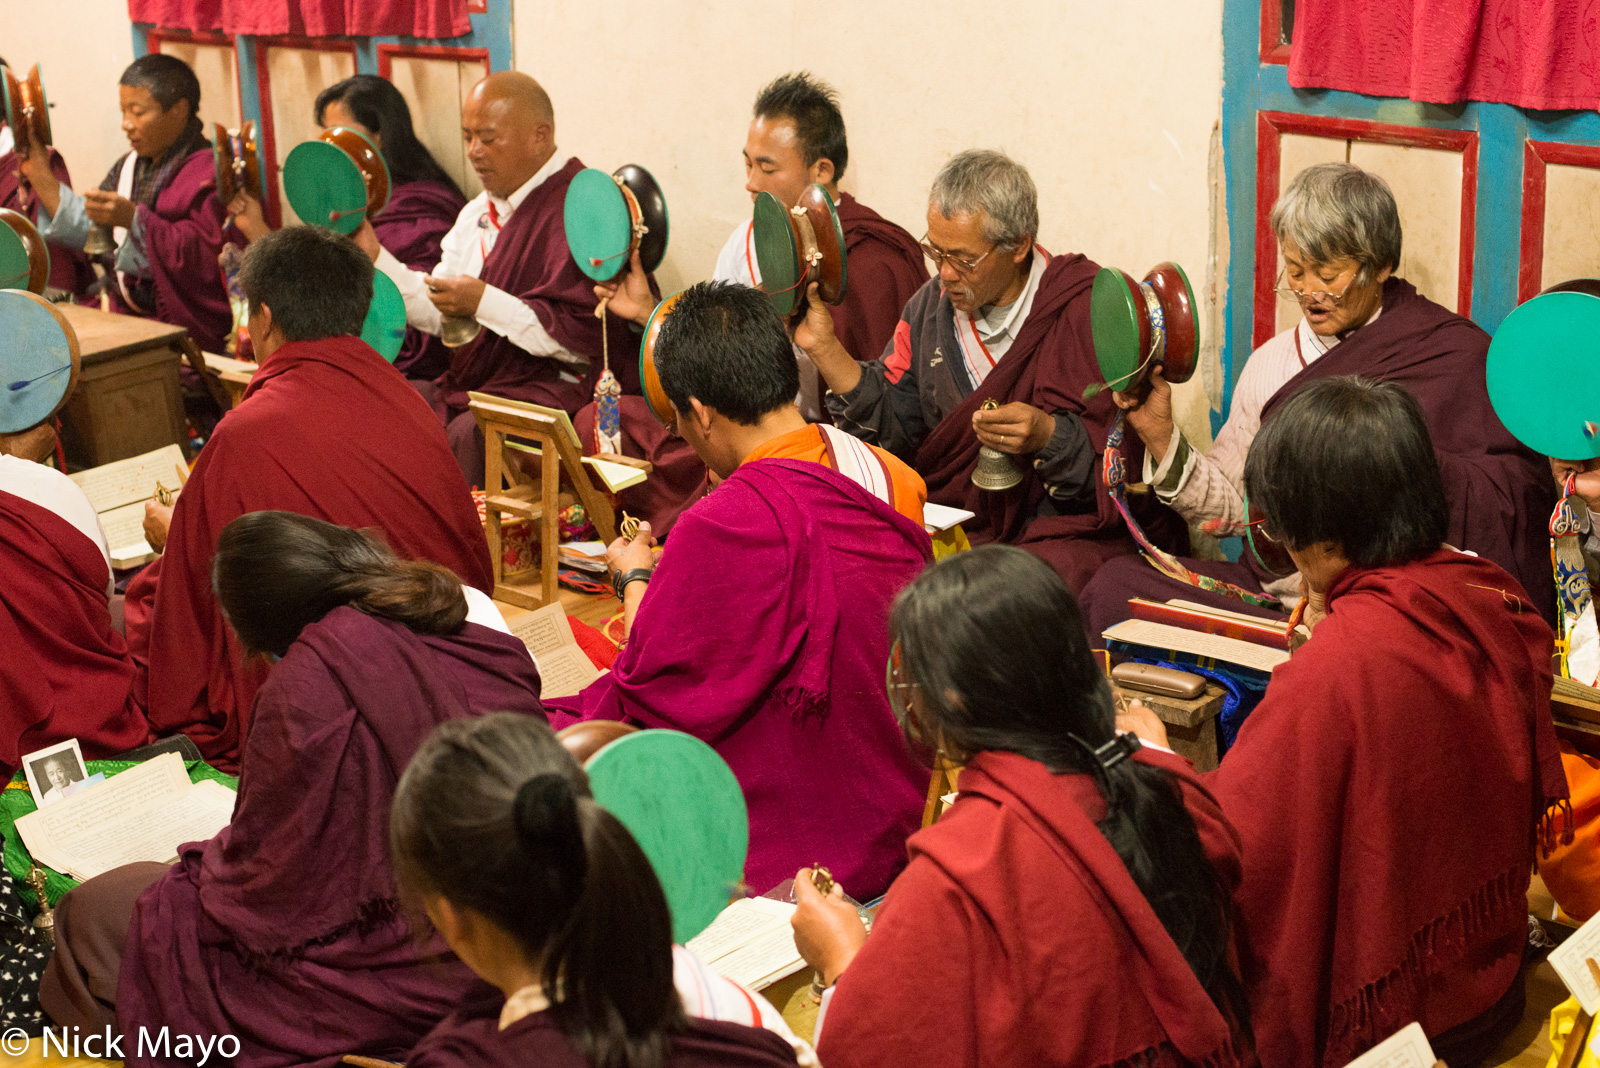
(796, 139)
(160, 201)
(1006, 322)
(505, 265)
(328, 429)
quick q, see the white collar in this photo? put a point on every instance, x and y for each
(525, 1002)
(7, 142)
(1019, 307)
(504, 207)
(1319, 344)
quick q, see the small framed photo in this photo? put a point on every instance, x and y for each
(56, 773)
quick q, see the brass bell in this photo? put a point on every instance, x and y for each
(456, 331)
(44, 924)
(995, 471)
(99, 242)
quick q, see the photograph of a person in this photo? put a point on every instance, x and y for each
(56, 773)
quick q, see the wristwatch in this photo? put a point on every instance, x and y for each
(619, 583)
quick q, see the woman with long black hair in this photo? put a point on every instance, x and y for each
(1072, 907)
(547, 897)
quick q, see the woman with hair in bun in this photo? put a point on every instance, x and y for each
(549, 899)
(285, 929)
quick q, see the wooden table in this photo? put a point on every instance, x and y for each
(128, 399)
(1191, 725)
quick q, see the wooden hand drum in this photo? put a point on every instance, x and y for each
(1544, 373)
(1140, 325)
(39, 360)
(385, 325)
(337, 180)
(24, 257)
(798, 246)
(649, 378)
(238, 161)
(27, 111)
(682, 804)
(608, 216)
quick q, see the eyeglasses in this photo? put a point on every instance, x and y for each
(940, 258)
(1261, 525)
(1290, 293)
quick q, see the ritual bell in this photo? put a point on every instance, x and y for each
(456, 331)
(99, 242)
(995, 471)
(44, 924)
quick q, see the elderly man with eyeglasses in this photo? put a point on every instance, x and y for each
(1004, 322)
(1338, 229)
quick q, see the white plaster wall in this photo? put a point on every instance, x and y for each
(1111, 107)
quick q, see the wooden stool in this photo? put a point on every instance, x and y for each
(1191, 725)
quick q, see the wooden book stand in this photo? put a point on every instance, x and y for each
(509, 492)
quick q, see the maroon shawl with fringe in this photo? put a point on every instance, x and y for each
(1389, 790)
(765, 633)
(1017, 936)
(531, 261)
(1049, 365)
(886, 268)
(1500, 492)
(411, 226)
(284, 929)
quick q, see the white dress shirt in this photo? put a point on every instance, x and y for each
(737, 260)
(462, 253)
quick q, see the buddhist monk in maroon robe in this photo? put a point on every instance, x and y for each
(1005, 322)
(329, 429)
(66, 672)
(161, 202)
(69, 268)
(505, 265)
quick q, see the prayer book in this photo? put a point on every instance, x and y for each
(1162, 641)
(1191, 616)
(583, 555)
(1406, 1048)
(938, 518)
(564, 668)
(1571, 961)
(617, 477)
(118, 491)
(143, 814)
(750, 942)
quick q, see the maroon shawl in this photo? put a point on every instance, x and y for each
(886, 267)
(65, 672)
(69, 267)
(472, 1038)
(327, 429)
(1388, 790)
(1018, 937)
(531, 261)
(1049, 365)
(184, 234)
(798, 565)
(1500, 492)
(411, 226)
(285, 929)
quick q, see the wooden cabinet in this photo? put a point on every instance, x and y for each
(128, 400)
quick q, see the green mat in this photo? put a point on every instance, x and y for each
(16, 802)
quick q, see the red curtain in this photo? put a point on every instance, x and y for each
(1532, 53)
(308, 18)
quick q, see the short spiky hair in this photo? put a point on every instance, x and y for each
(724, 345)
(168, 78)
(813, 106)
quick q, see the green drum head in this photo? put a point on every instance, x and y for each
(35, 360)
(325, 187)
(777, 255)
(1114, 322)
(15, 269)
(385, 328)
(1544, 375)
(599, 225)
(11, 89)
(683, 806)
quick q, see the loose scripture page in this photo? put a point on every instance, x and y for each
(144, 814)
(1196, 643)
(134, 479)
(124, 529)
(750, 942)
(1406, 1048)
(1571, 961)
(564, 669)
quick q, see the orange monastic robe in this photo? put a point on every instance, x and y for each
(910, 493)
(1572, 871)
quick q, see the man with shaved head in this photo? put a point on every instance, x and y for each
(505, 265)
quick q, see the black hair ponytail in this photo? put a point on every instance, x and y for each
(493, 815)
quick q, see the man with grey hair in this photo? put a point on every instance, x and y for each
(1005, 322)
(1338, 229)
